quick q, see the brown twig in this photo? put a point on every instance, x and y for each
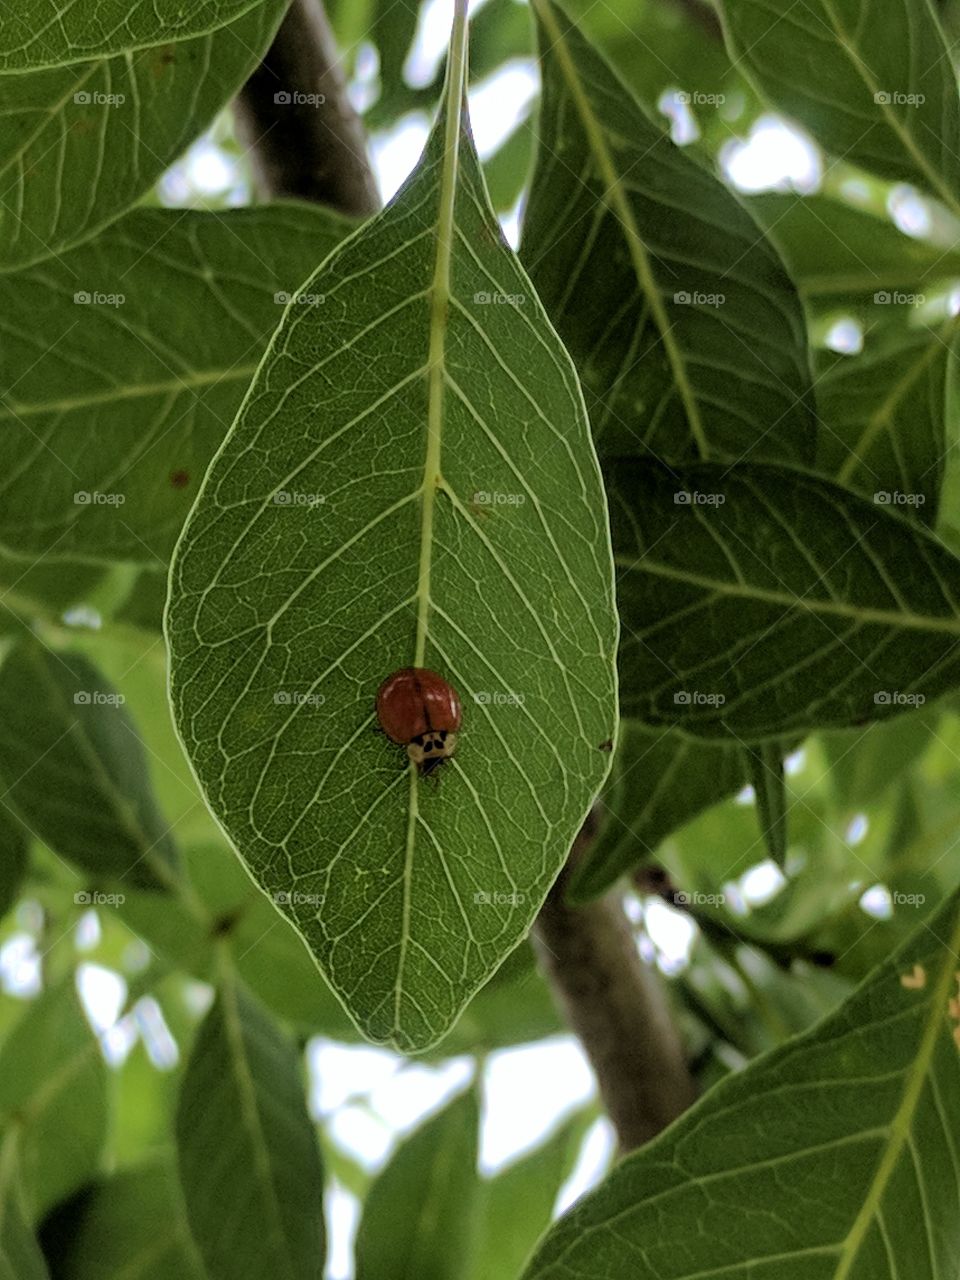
(293, 114)
(615, 1003)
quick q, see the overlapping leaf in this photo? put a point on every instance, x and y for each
(872, 80)
(113, 412)
(53, 1092)
(20, 1256)
(836, 250)
(761, 600)
(884, 420)
(80, 144)
(686, 331)
(835, 1155)
(249, 1161)
(419, 1217)
(410, 481)
(660, 780)
(131, 1225)
(73, 769)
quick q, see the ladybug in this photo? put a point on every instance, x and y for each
(420, 711)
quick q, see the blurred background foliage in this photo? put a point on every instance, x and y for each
(749, 953)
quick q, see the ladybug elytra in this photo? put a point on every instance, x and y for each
(420, 711)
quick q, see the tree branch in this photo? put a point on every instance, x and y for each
(293, 114)
(615, 1004)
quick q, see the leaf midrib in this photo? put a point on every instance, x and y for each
(749, 591)
(900, 1126)
(432, 478)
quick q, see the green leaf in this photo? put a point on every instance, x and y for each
(833, 249)
(40, 33)
(835, 1155)
(53, 1092)
(760, 601)
(115, 412)
(20, 1256)
(419, 1217)
(80, 144)
(766, 776)
(685, 328)
(874, 84)
(884, 419)
(660, 780)
(130, 1226)
(249, 1161)
(516, 1205)
(73, 768)
(410, 481)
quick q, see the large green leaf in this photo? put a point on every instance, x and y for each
(120, 409)
(418, 1219)
(80, 144)
(684, 326)
(53, 1091)
(130, 1226)
(659, 781)
(249, 1161)
(43, 33)
(73, 768)
(410, 481)
(762, 600)
(871, 79)
(832, 1158)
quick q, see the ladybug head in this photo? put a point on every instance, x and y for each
(429, 750)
